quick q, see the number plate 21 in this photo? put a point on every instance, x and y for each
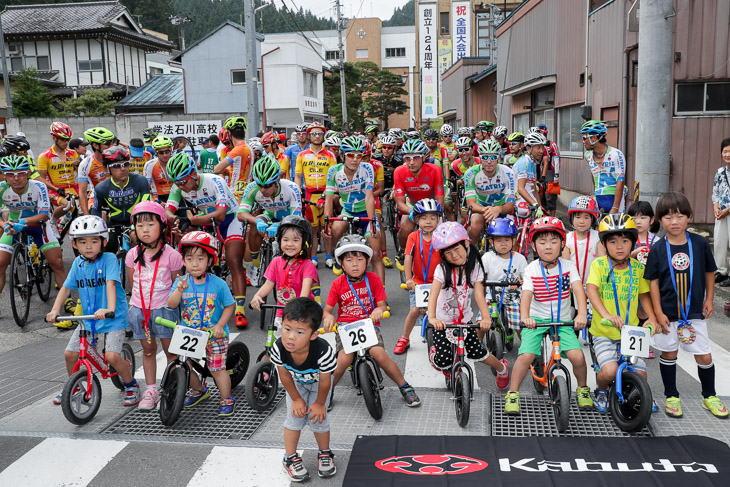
(189, 342)
(357, 335)
(635, 341)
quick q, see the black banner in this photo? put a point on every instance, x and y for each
(454, 461)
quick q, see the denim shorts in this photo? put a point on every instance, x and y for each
(135, 317)
(309, 393)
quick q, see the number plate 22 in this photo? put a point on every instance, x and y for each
(635, 341)
(189, 342)
(357, 335)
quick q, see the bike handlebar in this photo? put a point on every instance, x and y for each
(549, 323)
(464, 325)
(268, 306)
(172, 324)
(386, 314)
(349, 219)
(509, 283)
(110, 315)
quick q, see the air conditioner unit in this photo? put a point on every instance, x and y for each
(15, 49)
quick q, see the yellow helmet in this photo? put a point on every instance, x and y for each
(617, 223)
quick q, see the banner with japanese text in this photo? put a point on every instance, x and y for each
(461, 18)
(444, 63)
(428, 52)
(194, 130)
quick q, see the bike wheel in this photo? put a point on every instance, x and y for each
(429, 338)
(561, 402)
(237, 362)
(462, 398)
(20, 285)
(539, 365)
(370, 388)
(635, 412)
(127, 356)
(509, 339)
(495, 343)
(74, 404)
(43, 278)
(172, 396)
(262, 385)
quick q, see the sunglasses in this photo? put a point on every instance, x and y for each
(491, 157)
(388, 147)
(164, 152)
(412, 158)
(586, 137)
(266, 146)
(432, 138)
(467, 149)
(267, 186)
(316, 134)
(514, 143)
(183, 182)
(118, 165)
(18, 174)
(354, 155)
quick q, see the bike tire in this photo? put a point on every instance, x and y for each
(20, 285)
(429, 338)
(262, 385)
(370, 388)
(127, 356)
(495, 343)
(561, 403)
(44, 278)
(237, 362)
(172, 396)
(539, 365)
(635, 412)
(462, 398)
(508, 343)
(77, 409)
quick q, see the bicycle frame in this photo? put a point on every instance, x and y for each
(460, 356)
(556, 362)
(88, 356)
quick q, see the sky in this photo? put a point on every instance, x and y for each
(352, 8)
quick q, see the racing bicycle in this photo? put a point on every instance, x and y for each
(28, 268)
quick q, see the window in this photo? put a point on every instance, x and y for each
(41, 63)
(16, 64)
(548, 118)
(483, 40)
(238, 76)
(521, 122)
(699, 98)
(155, 71)
(361, 53)
(444, 21)
(569, 123)
(91, 65)
(330, 55)
(310, 84)
(395, 52)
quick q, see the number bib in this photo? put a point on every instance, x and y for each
(357, 335)
(189, 342)
(423, 292)
(635, 341)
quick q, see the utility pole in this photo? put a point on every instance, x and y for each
(654, 97)
(341, 51)
(251, 72)
(181, 21)
(6, 78)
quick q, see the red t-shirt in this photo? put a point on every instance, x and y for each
(348, 308)
(413, 247)
(428, 184)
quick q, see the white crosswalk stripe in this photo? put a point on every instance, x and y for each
(223, 466)
(721, 359)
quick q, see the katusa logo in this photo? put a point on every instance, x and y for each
(445, 464)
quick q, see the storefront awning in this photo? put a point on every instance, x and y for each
(530, 85)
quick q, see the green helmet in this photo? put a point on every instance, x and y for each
(235, 123)
(14, 163)
(180, 165)
(266, 170)
(484, 125)
(99, 135)
(161, 141)
(490, 146)
(414, 146)
(352, 144)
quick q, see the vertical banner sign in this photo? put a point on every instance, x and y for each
(444, 63)
(461, 29)
(429, 64)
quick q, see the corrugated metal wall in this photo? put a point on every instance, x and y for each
(570, 62)
(482, 97)
(454, 88)
(605, 54)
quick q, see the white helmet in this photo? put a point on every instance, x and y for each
(396, 133)
(463, 131)
(464, 141)
(256, 145)
(89, 226)
(534, 130)
(500, 131)
(535, 138)
(446, 130)
(333, 141)
(254, 139)
(388, 140)
(352, 243)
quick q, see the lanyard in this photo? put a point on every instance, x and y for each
(585, 257)
(460, 318)
(91, 306)
(370, 294)
(425, 264)
(615, 292)
(509, 269)
(560, 288)
(147, 312)
(683, 321)
(201, 307)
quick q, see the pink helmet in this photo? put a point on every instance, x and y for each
(448, 234)
(149, 207)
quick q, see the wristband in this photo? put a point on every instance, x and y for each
(614, 207)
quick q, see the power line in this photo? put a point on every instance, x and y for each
(286, 8)
(313, 33)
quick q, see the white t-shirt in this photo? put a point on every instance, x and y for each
(592, 243)
(448, 302)
(497, 267)
(545, 299)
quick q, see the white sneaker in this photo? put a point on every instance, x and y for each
(253, 274)
(329, 262)
(315, 262)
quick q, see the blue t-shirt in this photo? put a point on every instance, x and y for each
(218, 297)
(90, 279)
(292, 153)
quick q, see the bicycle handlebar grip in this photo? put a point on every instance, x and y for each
(386, 314)
(606, 322)
(403, 285)
(334, 330)
(162, 321)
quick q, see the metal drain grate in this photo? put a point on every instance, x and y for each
(537, 419)
(200, 422)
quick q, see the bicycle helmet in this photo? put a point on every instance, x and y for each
(61, 130)
(333, 141)
(148, 207)
(415, 146)
(115, 153)
(388, 140)
(15, 143)
(502, 227)
(266, 170)
(161, 141)
(396, 133)
(371, 129)
(301, 128)
(89, 226)
(464, 142)
(448, 234)
(542, 128)
(180, 166)
(149, 134)
(14, 163)
(430, 134)
(235, 122)
(367, 150)
(412, 135)
(485, 125)
(269, 138)
(586, 204)
(352, 243)
(446, 130)
(594, 127)
(489, 147)
(516, 137)
(463, 132)
(618, 223)
(254, 139)
(99, 135)
(426, 205)
(547, 224)
(303, 225)
(500, 131)
(352, 144)
(256, 146)
(224, 136)
(201, 239)
(534, 130)
(535, 138)
(315, 125)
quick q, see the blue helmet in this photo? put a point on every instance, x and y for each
(426, 205)
(502, 227)
(414, 146)
(594, 127)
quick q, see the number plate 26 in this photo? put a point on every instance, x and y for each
(357, 335)
(189, 342)
(635, 341)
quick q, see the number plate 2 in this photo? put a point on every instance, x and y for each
(423, 292)
(635, 341)
(357, 335)
(189, 342)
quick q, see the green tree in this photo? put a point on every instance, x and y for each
(353, 93)
(93, 103)
(405, 15)
(383, 91)
(30, 96)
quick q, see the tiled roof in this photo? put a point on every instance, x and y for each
(162, 90)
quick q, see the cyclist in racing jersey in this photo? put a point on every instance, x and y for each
(155, 170)
(500, 135)
(378, 192)
(149, 135)
(465, 149)
(447, 141)
(550, 171)
(92, 169)
(607, 164)
(239, 158)
(210, 194)
(371, 132)
(489, 189)
(226, 144)
(26, 207)
(270, 144)
(56, 167)
(354, 181)
(311, 169)
(483, 131)
(140, 157)
(526, 168)
(332, 144)
(18, 145)
(292, 152)
(276, 197)
(397, 134)
(516, 148)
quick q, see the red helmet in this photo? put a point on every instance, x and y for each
(547, 224)
(224, 136)
(200, 239)
(315, 125)
(586, 204)
(367, 150)
(268, 138)
(61, 130)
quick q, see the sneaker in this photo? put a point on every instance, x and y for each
(131, 395)
(316, 263)
(401, 346)
(241, 321)
(326, 464)
(329, 262)
(584, 398)
(512, 403)
(410, 396)
(399, 262)
(193, 397)
(149, 399)
(716, 407)
(387, 262)
(336, 269)
(673, 407)
(294, 468)
(651, 353)
(431, 357)
(57, 400)
(503, 378)
(227, 406)
(600, 403)
(253, 274)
